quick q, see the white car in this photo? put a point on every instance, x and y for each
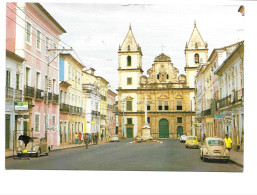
(183, 138)
(115, 138)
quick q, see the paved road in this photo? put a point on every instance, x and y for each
(122, 156)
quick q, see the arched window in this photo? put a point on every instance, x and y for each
(129, 61)
(158, 76)
(196, 58)
(167, 76)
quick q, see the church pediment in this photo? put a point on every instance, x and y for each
(196, 40)
(162, 96)
(129, 43)
(178, 96)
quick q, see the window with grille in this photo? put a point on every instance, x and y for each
(8, 78)
(179, 105)
(47, 45)
(17, 81)
(129, 121)
(160, 105)
(179, 119)
(166, 105)
(148, 120)
(129, 81)
(129, 105)
(38, 40)
(28, 32)
(158, 76)
(37, 123)
(54, 120)
(148, 107)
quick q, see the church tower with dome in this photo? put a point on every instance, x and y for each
(168, 95)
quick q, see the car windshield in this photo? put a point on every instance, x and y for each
(216, 142)
(192, 138)
(115, 136)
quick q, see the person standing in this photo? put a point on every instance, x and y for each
(80, 136)
(76, 138)
(228, 142)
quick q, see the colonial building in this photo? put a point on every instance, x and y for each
(231, 101)
(91, 96)
(169, 109)
(71, 74)
(36, 31)
(111, 114)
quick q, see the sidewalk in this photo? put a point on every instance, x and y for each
(237, 158)
(9, 152)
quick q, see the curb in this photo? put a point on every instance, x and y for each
(236, 163)
(56, 149)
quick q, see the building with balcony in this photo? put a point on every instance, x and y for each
(13, 94)
(103, 88)
(72, 103)
(34, 31)
(230, 104)
(111, 114)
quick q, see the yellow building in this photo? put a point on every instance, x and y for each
(91, 97)
(72, 74)
(169, 110)
(103, 87)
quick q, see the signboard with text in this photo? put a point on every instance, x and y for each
(21, 106)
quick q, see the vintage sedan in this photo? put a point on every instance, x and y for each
(192, 142)
(214, 148)
(35, 147)
(115, 138)
(183, 138)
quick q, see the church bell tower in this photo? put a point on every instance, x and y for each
(130, 62)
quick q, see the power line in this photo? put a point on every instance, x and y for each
(46, 30)
(41, 33)
(41, 26)
(31, 26)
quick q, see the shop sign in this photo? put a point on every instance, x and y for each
(218, 116)
(93, 122)
(21, 106)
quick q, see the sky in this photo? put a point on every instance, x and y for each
(95, 31)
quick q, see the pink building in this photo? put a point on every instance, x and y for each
(37, 32)
(111, 117)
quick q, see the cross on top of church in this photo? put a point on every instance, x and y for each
(162, 47)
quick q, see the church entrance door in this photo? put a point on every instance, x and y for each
(129, 132)
(163, 128)
(179, 131)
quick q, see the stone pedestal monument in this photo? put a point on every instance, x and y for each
(146, 129)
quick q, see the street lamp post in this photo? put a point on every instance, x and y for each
(47, 85)
(123, 119)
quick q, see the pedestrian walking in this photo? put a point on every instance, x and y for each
(102, 137)
(80, 137)
(86, 140)
(203, 137)
(76, 138)
(228, 142)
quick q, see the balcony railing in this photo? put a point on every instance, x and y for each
(95, 113)
(64, 108)
(39, 94)
(18, 94)
(231, 99)
(55, 98)
(71, 110)
(9, 92)
(29, 91)
(50, 97)
(206, 112)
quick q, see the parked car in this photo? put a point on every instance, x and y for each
(192, 142)
(36, 146)
(214, 148)
(183, 138)
(115, 138)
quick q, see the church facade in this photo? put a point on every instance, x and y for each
(170, 111)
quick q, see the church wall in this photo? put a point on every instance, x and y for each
(123, 79)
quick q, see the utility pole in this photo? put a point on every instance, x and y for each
(123, 119)
(47, 85)
(191, 119)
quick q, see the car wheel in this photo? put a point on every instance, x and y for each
(38, 152)
(204, 159)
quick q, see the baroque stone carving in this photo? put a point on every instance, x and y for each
(162, 58)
